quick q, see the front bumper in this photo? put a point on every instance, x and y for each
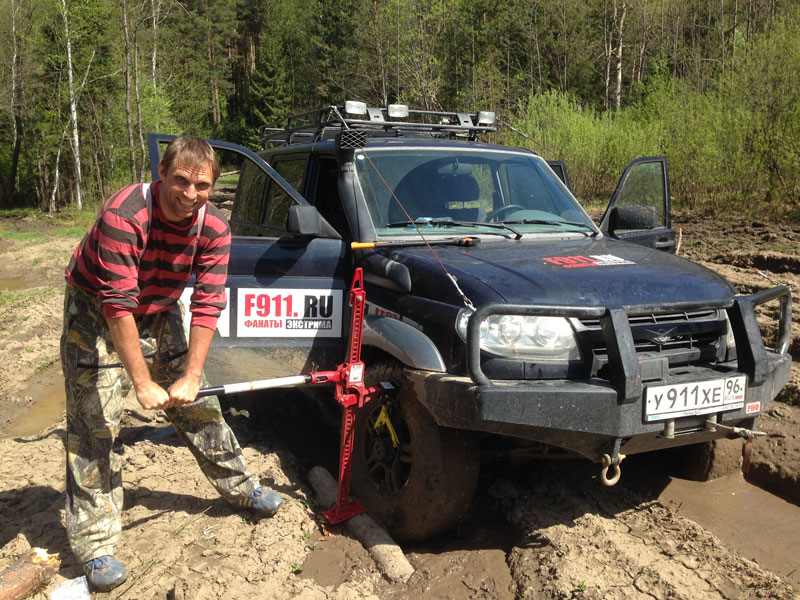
(593, 416)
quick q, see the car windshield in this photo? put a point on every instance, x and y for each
(446, 190)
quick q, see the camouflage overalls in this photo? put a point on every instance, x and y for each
(96, 384)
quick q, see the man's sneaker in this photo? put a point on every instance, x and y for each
(105, 572)
(266, 502)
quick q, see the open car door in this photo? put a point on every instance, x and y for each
(639, 210)
(287, 275)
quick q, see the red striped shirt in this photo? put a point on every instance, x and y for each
(136, 266)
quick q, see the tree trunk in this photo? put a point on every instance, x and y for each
(142, 148)
(620, 28)
(51, 206)
(16, 106)
(155, 8)
(29, 574)
(73, 111)
(608, 53)
(127, 70)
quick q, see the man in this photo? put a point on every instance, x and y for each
(123, 327)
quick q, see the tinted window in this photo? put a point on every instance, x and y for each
(326, 196)
(644, 186)
(250, 193)
(278, 201)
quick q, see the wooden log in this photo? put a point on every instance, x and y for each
(30, 573)
(382, 548)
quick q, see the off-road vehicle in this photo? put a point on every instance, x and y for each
(504, 317)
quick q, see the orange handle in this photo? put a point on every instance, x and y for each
(362, 245)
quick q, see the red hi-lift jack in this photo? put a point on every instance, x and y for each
(351, 393)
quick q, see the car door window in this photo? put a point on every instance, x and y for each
(278, 201)
(250, 194)
(325, 195)
(639, 211)
(645, 186)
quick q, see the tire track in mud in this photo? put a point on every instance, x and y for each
(581, 540)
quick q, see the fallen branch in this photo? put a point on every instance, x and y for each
(382, 548)
(30, 573)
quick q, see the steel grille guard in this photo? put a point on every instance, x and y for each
(624, 368)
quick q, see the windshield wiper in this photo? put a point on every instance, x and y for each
(449, 223)
(550, 222)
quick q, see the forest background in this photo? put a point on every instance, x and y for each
(712, 84)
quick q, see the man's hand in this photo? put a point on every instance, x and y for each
(125, 335)
(184, 390)
(152, 396)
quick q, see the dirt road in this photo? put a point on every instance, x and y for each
(542, 530)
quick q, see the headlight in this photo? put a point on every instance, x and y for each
(547, 339)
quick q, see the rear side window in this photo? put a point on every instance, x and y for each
(278, 202)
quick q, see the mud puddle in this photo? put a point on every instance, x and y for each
(46, 408)
(756, 524)
(13, 283)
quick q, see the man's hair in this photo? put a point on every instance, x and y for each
(193, 152)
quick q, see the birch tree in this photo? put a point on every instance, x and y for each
(73, 108)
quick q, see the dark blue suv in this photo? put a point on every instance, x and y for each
(504, 317)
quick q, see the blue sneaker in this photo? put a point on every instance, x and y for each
(105, 572)
(266, 502)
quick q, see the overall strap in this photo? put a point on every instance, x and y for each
(201, 217)
(148, 197)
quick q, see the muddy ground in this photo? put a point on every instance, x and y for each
(541, 530)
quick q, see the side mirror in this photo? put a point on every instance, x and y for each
(633, 217)
(303, 220)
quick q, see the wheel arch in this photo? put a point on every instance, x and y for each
(402, 342)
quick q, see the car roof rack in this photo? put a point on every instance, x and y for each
(325, 123)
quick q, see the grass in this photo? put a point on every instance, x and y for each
(46, 363)
(28, 221)
(27, 237)
(9, 300)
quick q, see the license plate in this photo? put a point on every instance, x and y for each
(699, 398)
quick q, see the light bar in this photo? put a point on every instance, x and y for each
(355, 108)
(397, 111)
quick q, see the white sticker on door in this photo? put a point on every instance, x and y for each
(284, 312)
(223, 323)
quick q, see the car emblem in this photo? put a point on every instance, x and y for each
(661, 336)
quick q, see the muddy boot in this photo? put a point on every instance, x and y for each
(266, 501)
(105, 572)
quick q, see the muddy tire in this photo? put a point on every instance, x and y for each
(424, 484)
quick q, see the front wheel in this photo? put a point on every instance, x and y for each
(416, 477)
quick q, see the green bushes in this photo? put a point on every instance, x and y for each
(733, 147)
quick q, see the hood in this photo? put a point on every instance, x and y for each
(587, 272)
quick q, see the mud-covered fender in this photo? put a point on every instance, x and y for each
(407, 344)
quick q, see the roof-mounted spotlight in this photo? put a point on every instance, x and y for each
(397, 111)
(486, 117)
(353, 107)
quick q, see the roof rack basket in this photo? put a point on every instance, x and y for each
(325, 123)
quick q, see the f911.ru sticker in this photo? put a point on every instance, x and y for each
(284, 312)
(593, 260)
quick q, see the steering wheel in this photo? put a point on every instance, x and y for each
(492, 216)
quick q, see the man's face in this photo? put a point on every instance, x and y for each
(185, 189)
